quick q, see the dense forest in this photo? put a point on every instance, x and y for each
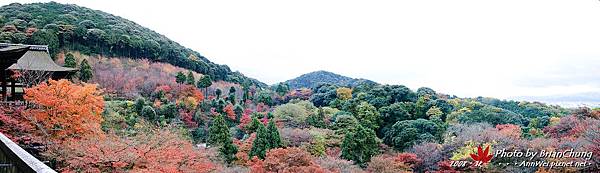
(312, 79)
(142, 103)
(71, 27)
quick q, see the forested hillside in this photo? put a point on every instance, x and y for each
(152, 113)
(313, 79)
(71, 27)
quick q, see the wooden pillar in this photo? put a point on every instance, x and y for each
(12, 89)
(3, 83)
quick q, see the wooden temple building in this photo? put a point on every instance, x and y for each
(18, 58)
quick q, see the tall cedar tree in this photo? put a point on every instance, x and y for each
(218, 92)
(204, 82)
(218, 131)
(253, 126)
(190, 78)
(238, 110)
(274, 137)
(85, 73)
(231, 89)
(228, 149)
(218, 134)
(261, 144)
(70, 61)
(231, 96)
(180, 77)
(360, 145)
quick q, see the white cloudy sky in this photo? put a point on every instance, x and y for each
(499, 48)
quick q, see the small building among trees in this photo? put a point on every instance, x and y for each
(25, 66)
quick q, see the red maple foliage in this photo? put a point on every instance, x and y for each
(17, 128)
(509, 130)
(256, 165)
(482, 155)
(261, 107)
(445, 167)
(132, 78)
(158, 151)
(290, 160)
(244, 148)
(245, 120)
(187, 118)
(402, 162)
(228, 109)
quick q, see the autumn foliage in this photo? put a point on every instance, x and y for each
(63, 109)
(403, 162)
(289, 160)
(17, 128)
(228, 109)
(158, 151)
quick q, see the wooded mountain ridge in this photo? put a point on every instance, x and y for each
(71, 27)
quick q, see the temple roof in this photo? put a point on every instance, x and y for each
(30, 57)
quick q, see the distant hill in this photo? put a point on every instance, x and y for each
(71, 27)
(312, 79)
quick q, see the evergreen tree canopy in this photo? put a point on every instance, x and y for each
(180, 77)
(85, 73)
(261, 144)
(190, 78)
(204, 82)
(218, 132)
(360, 145)
(70, 61)
(274, 137)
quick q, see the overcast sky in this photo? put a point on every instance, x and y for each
(499, 48)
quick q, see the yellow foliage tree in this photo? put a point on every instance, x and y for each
(344, 93)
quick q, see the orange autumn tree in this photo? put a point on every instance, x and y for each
(61, 109)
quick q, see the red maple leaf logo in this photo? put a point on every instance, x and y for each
(482, 156)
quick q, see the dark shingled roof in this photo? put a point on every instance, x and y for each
(36, 58)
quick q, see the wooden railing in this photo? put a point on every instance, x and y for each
(15, 159)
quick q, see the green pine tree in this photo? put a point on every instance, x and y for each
(180, 77)
(190, 78)
(85, 73)
(238, 110)
(218, 92)
(231, 90)
(274, 137)
(253, 126)
(261, 143)
(218, 133)
(204, 82)
(360, 145)
(231, 96)
(70, 61)
(228, 150)
(246, 95)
